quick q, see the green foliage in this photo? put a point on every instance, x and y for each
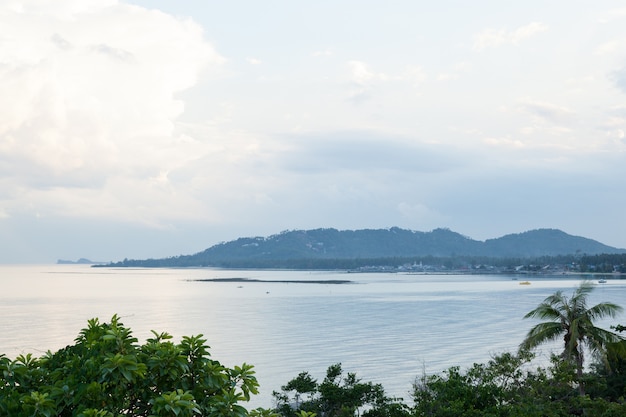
(106, 373)
(507, 387)
(609, 378)
(574, 321)
(484, 390)
(336, 396)
(351, 249)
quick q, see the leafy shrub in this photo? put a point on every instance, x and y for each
(106, 373)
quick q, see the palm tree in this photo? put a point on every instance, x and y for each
(571, 318)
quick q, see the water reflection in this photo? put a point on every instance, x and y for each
(388, 328)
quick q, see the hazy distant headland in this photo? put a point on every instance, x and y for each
(394, 248)
(81, 261)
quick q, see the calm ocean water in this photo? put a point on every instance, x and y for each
(388, 328)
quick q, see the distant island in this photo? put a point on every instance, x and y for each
(396, 248)
(81, 261)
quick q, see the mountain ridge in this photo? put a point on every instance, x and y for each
(330, 243)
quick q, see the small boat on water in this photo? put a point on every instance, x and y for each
(524, 283)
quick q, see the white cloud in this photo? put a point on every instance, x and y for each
(507, 142)
(615, 125)
(548, 112)
(414, 74)
(56, 9)
(364, 81)
(614, 14)
(93, 99)
(492, 38)
(325, 52)
(609, 47)
(455, 72)
(113, 112)
(362, 75)
(616, 134)
(619, 78)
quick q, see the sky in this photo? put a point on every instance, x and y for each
(153, 128)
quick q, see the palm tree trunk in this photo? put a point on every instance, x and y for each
(579, 373)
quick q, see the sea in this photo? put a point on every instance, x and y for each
(388, 328)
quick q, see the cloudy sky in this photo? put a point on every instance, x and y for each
(147, 128)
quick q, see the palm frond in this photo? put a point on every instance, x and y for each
(571, 318)
(544, 311)
(598, 338)
(603, 310)
(541, 333)
(583, 290)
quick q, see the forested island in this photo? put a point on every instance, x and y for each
(80, 261)
(438, 251)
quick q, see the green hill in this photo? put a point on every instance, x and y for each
(331, 244)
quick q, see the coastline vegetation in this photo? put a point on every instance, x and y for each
(586, 264)
(106, 373)
(397, 248)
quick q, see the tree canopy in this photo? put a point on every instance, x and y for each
(106, 373)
